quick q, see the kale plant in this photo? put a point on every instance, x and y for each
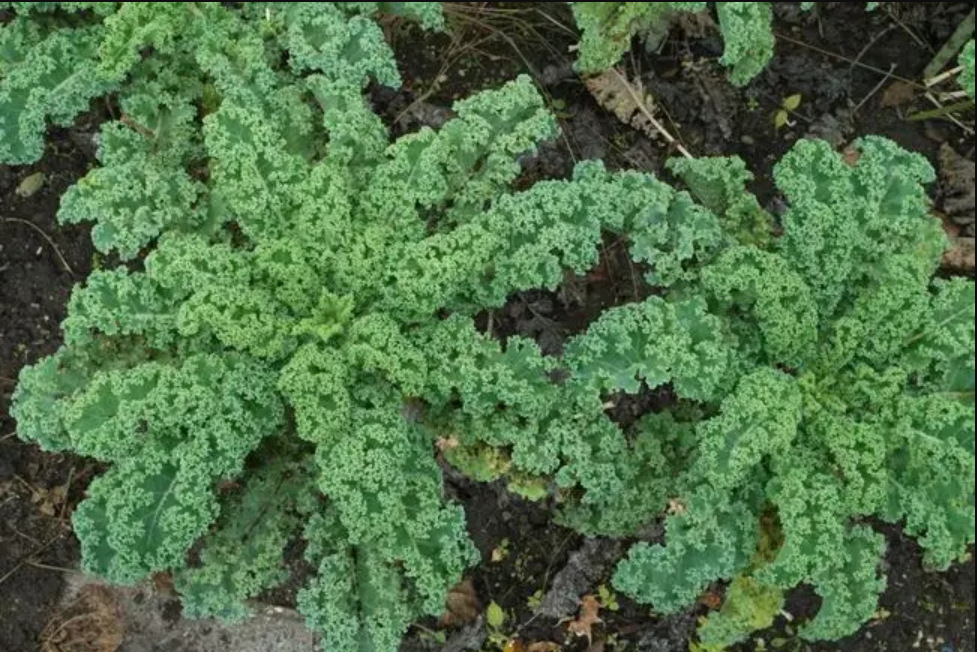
(608, 27)
(264, 367)
(822, 378)
(291, 346)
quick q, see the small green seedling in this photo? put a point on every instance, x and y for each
(781, 118)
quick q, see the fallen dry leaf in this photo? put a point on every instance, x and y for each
(163, 582)
(961, 256)
(897, 94)
(30, 185)
(92, 622)
(711, 599)
(50, 501)
(628, 100)
(514, 645)
(587, 618)
(675, 506)
(462, 605)
(447, 443)
(957, 185)
(850, 155)
(543, 646)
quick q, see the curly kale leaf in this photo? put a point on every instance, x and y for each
(428, 14)
(645, 470)
(847, 215)
(781, 325)
(941, 349)
(708, 538)
(468, 161)
(377, 469)
(758, 421)
(137, 26)
(172, 432)
(967, 74)
(747, 29)
(141, 188)
(655, 342)
(931, 475)
(244, 554)
(720, 184)
(356, 600)
(529, 239)
(820, 548)
(25, 8)
(44, 77)
(607, 28)
(317, 34)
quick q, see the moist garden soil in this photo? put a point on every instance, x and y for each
(849, 68)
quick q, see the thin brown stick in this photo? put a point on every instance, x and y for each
(868, 46)
(60, 569)
(651, 118)
(30, 487)
(963, 33)
(842, 57)
(27, 536)
(933, 81)
(874, 90)
(44, 235)
(67, 490)
(138, 128)
(913, 35)
(557, 23)
(26, 560)
(949, 116)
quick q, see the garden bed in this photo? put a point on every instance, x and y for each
(844, 63)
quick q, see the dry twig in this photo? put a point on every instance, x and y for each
(44, 235)
(628, 100)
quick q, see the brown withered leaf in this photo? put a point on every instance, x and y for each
(586, 618)
(49, 500)
(163, 582)
(626, 99)
(514, 645)
(961, 256)
(957, 185)
(675, 506)
(447, 443)
(711, 599)
(897, 94)
(850, 156)
(543, 646)
(92, 622)
(462, 605)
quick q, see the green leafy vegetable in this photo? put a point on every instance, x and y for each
(967, 74)
(294, 342)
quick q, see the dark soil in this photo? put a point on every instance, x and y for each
(36, 489)
(837, 59)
